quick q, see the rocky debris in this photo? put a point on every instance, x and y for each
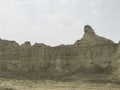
(90, 53)
(5, 88)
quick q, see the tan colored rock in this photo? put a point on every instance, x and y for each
(87, 54)
(90, 38)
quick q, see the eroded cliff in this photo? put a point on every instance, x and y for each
(91, 54)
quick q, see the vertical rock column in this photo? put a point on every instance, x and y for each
(25, 57)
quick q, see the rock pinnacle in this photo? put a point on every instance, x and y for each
(88, 30)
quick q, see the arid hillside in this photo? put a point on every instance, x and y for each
(90, 56)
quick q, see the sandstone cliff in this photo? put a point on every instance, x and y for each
(91, 54)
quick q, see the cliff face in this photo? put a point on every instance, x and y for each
(88, 54)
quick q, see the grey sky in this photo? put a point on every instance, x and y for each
(55, 22)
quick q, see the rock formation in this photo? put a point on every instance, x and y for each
(90, 54)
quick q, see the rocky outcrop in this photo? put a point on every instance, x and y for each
(90, 38)
(89, 54)
(116, 63)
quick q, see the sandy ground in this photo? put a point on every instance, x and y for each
(53, 85)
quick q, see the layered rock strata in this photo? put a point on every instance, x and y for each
(86, 55)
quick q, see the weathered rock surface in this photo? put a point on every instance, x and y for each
(91, 54)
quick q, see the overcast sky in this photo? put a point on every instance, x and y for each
(55, 22)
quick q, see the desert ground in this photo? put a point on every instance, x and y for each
(8, 84)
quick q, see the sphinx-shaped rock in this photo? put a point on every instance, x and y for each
(88, 30)
(91, 38)
(94, 50)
